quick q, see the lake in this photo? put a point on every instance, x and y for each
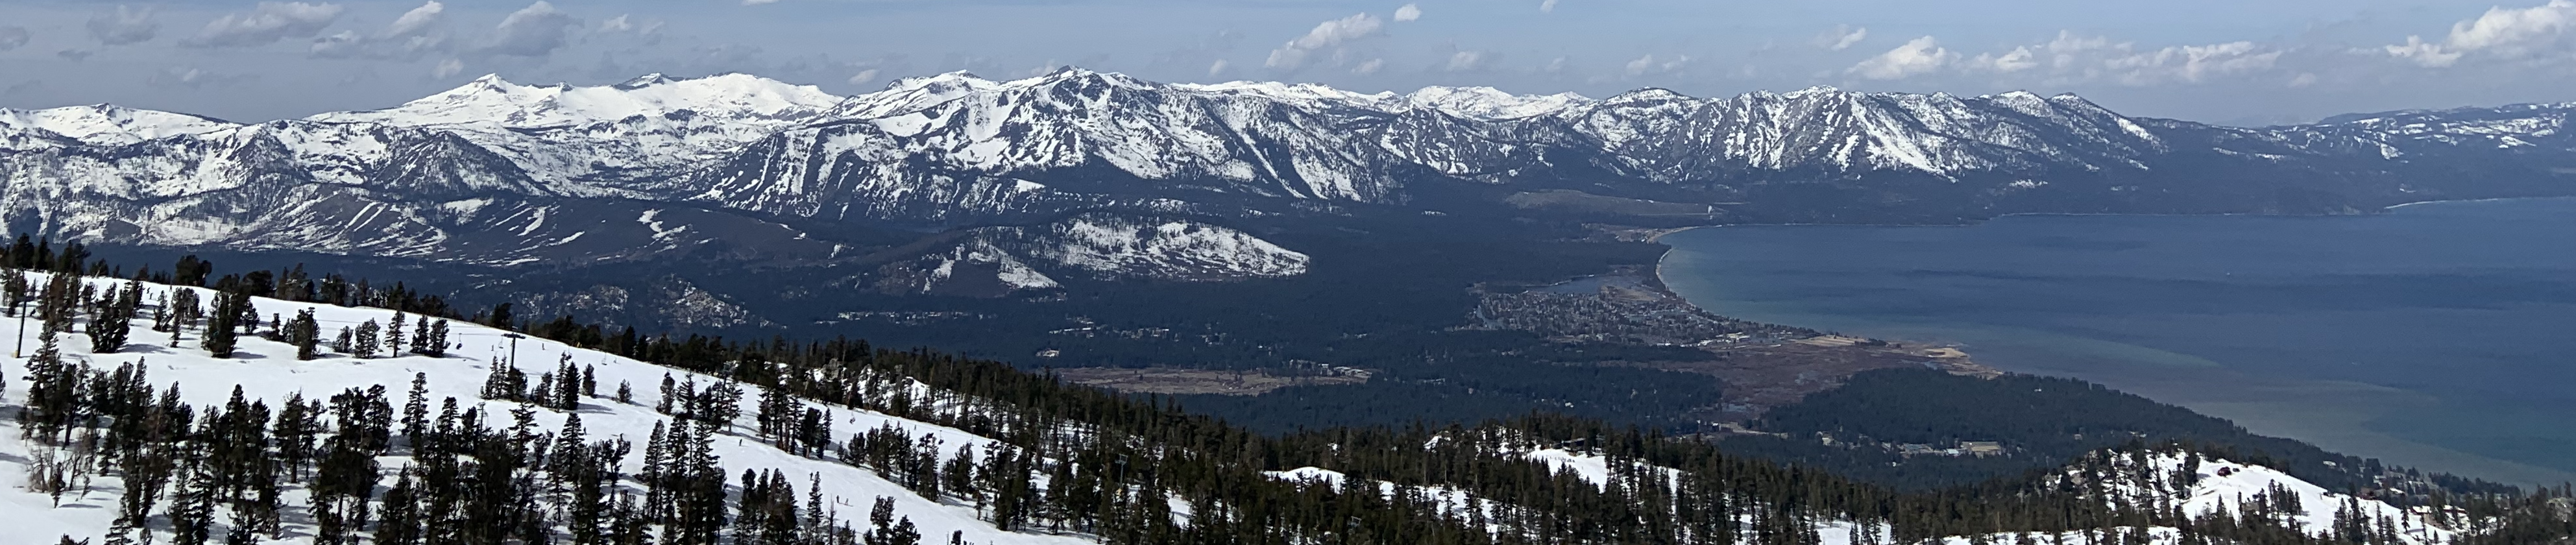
(2439, 335)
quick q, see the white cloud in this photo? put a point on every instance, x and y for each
(1651, 64)
(2420, 52)
(12, 37)
(863, 76)
(447, 68)
(1466, 60)
(2191, 63)
(1217, 67)
(1841, 37)
(417, 33)
(266, 24)
(1408, 13)
(1370, 66)
(419, 20)
(2304, 79)
(2073, 58)
(124, 26)
(616, 24)
(193, 78)
(1547, 6)
(1329, 34)
(534, 31)
(2508, 32)
(1917, 57)
(2503, 27)
(2019, 59)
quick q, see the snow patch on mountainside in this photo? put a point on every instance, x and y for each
(614, 139)
(267, 370)
(97, 125)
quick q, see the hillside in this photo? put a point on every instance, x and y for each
(285, 449)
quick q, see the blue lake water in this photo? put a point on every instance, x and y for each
(2438, 335)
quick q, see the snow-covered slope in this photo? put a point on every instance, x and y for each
(608, 138)
(1096, 245)
(96, 125)
(266, 370)
(2198, 486)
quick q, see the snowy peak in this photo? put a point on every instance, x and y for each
(100, 125)
(492, 100)
(1488, 103)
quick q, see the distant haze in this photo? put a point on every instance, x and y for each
(2243, 63)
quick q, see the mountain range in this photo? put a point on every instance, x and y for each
(1014, 174)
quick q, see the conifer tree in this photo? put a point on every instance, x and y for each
(394, 345)
(420, 336)
(109, 327)
(364, 344)
(184, 312)
(437, 344)
(223, 324)
(306, 334)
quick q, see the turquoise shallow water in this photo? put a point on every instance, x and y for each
(2438, 335)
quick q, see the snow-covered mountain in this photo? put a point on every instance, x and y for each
(995, 260)
(608, 138)
(96, 125)
(456, 175)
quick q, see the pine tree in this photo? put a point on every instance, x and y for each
(109, 327)
(223, 325)
(420, 336)
(437, 344)
(415, 419)
(394, 345)
(306, 334)
(364, 344)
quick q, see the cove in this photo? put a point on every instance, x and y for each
(2438, 335)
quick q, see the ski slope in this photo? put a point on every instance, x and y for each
(268, 370)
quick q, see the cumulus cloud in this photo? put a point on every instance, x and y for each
(1651, 64)
(2017, 60)
(863, 76)
(1217, 67)
(12, 37)
(446, 68)
(2191, 63)
(2508, 32)
(1841, 37)
(415, 34)
(124, 26)
(1370, 66)
(1917, 57)
(1327, 35)
(534, 31)
(1547, 6)
(266, 24)
(2074, 58)
(1408, 13)
(420, 20)
(193, 78)
(1464, 61)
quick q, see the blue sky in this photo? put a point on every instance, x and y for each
(2243, 62)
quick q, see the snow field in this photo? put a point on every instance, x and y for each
(267, 370)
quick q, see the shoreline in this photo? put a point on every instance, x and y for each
(1660, 233)
(2288, 414)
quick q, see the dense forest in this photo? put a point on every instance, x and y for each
(1073, 460)
(2044, 421)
